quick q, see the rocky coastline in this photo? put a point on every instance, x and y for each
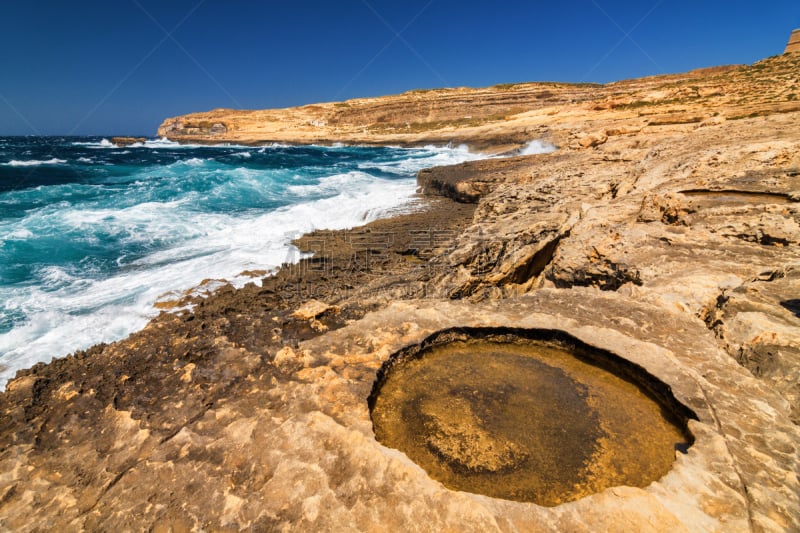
(665, 229)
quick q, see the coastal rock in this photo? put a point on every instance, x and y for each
(127, 141)
(295, 448)
(758, 323)
(469, 182)
(793, 46)
(311, 310)
(592, 140)
(204, 128)
(675, 247)
(506, 117)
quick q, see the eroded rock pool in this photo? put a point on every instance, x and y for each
(538, 418)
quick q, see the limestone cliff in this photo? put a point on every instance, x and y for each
(794, 43)
(504, 117)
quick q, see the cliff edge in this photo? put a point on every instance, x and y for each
(505, 117)
(793, 46)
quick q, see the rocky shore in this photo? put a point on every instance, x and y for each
(665, 229)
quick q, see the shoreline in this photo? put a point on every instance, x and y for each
(673, 244)
(421, 213)
(266, 243)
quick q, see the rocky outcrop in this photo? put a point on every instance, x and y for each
(127, 141)
(793, 45)
(673, 244)
(506, 117)
(469, 182)
(204, 129)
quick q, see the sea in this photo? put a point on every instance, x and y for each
(93, 235)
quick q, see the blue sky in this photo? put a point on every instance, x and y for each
(105, 67)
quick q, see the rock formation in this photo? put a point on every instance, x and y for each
(127, 141)
(665, 229)
(794, 43)
(506, 117)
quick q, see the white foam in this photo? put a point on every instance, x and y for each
(274, 145)
(35, 162)
(537, 146)
(418, 159)
(54, 276)
(163, 142)
(332, 184)
(105, 143)
(85, 160)
(18, 234)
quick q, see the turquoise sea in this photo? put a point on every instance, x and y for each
(91, 235)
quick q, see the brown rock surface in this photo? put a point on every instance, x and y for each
(793, 45)
(127, 141)
(504, 117)
(674, 244)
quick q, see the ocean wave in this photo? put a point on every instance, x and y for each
(35, 162)
(54, 277)
(142, 223)
(18, 234)
(105, 143)
(332, 184)
(272, 146)
(221, 245)
(416, 159)
(537, 146)
(163, 142)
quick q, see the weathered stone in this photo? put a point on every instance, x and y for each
(593, 139)
(505, 118)
(793, 45)
(311, 310)
(127, 141)
(675, 247)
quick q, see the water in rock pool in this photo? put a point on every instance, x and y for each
(91, 234)
(523, 421)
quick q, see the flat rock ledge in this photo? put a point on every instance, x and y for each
(302, 455)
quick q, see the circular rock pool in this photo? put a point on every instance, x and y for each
(524, 415)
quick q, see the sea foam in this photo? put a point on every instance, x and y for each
(537, 146)
(35, 162)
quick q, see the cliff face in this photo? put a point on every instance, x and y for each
(505, 116)
(666, 230)
(794, 43)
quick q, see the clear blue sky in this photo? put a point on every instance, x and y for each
(121, 66)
